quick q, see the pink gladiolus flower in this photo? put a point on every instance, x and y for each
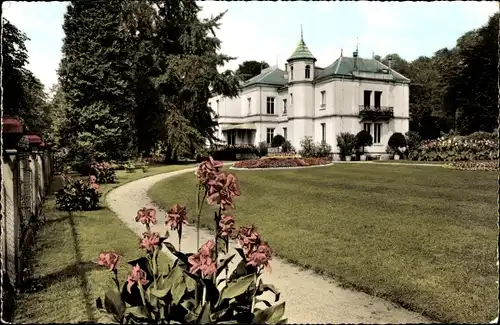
(260, 256)
(176, 216)
(149, 241)
(109, 260)
(146, 216)
(248, 237)
(226, 225)
(222, 189)
(136, 276)
(207, 170)
(207, 248)
(92, 179)
(95, 186)
(202, 261)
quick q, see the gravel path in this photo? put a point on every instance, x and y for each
(310, 298)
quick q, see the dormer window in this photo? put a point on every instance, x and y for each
(308, 72)
(291, 73)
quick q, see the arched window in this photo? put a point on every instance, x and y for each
(291, 73)
(308, 72)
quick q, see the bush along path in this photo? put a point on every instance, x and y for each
(309, 298)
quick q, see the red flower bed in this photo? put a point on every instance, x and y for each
(285, 162)
(489, 165)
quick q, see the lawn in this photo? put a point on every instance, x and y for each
(423, 237)
(66, 281)
(414, 162)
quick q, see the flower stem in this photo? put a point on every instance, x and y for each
(204, 296)
(217, 218)
(179, 232)
(200, 207)
(255, 292)
(227, 266)
(115, 272)
(141, 291)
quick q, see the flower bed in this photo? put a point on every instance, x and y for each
(281, 155)
(281, 162)
(476, 146)
(490, 165)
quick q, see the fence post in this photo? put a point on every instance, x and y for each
(11, 217)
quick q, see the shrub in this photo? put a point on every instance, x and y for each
(456, 148)
(263, 150)
(323, 150)
(129, 167)
(413, 140)
(197, 288)
(308, 147)
(397, 141)
(287, 147)
(231, 152)
(277, 141)
(363, 139)
(104, 172)
(78, 195)
(489, 165)
(346, 142)
(60, 161)
(281, 162)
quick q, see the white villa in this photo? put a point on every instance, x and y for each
(349, 95)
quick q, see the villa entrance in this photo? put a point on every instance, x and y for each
(239, 134)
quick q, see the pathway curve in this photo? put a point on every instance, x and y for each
(310, 298)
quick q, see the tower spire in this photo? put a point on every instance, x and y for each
(301, 33)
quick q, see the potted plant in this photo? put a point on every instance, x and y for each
(363, 139)
(397, 142)
(345, 143)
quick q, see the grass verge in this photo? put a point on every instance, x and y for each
(423, 237)
(65, 280)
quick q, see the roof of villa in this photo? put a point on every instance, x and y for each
(269, 76)
(364, 68)
(342, 67)
(301, 52)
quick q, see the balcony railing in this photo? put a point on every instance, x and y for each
(376, 112)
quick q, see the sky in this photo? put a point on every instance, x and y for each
(270, 31)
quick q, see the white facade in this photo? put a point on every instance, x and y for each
(321, 106)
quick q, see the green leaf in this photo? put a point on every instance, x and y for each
(170, 246)
(139, 312)
(283, 321)
(239, 271)
(160, 293)
(175, 276)
(204, 317)
(267, 303)
(269, 287)
(221, 245)
(178, 291)
(271, 315)
(224, 263)
(237, 288)
(190, 282)
(113, 302)
(188, 304)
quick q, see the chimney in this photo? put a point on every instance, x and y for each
(355, 56)
(286, 67)
(389, 60)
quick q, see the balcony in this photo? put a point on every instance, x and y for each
(379, 113)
